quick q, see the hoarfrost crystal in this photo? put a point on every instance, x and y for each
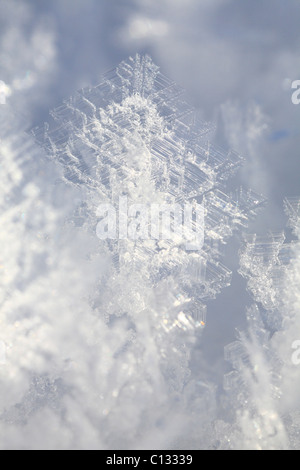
(100, 331)
(133, 135)
(264, 374)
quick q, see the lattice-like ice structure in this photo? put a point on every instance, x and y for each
(134, 135)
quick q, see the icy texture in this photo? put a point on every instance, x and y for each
(134, 135)
(264, 373)
(255, 381)
(263, 262)
(99, 333)
(42, 294)
(292, 209)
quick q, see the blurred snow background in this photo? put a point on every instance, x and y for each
(236, 61)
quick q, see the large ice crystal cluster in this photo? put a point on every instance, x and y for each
(133, 135)
(99, 329)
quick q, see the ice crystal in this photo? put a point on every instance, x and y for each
(263, 262)
(263, 368)
(101, 330)
(134, 135)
